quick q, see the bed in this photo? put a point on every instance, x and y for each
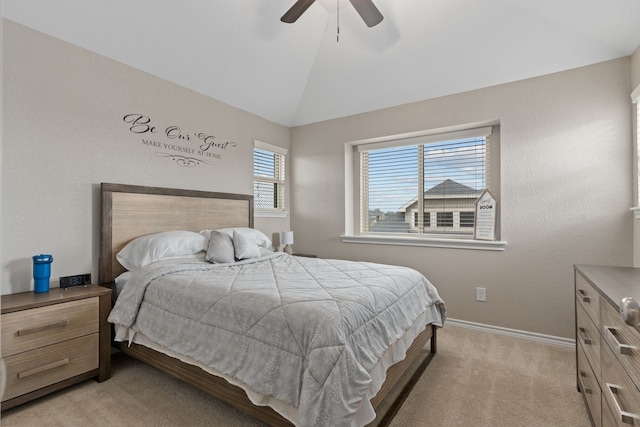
(338, 380)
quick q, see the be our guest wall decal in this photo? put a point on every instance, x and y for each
(186, 149)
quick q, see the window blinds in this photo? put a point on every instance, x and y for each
(448, 170)
(269, 176)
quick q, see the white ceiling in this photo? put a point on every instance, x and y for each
(238, 51)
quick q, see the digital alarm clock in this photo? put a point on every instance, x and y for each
(77, 280)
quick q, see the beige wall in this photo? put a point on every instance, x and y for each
(565, 193)
(64, 134)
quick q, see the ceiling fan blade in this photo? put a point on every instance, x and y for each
(296, 11)
(368, 12)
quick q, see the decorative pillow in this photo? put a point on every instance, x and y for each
(256, 235)
(220, 248)
(265, 251)
(153, 247)
(245, 248)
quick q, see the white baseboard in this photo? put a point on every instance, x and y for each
(532, 336)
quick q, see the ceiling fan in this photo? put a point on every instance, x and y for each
(365, 8)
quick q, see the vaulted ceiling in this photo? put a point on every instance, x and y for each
(238, 51)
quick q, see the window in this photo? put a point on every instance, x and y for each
(268, 176)
(444, 219)
(467, 219)
(426, 219)
(425, 186)
(635, 99)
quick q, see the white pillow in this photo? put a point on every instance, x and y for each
(245, 248)
(153, 247)
(257, 236)
(220, 248)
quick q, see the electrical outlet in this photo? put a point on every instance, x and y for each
(481, 294)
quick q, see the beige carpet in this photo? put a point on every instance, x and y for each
(476, 379)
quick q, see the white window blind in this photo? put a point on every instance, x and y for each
(424, 185)
(268, 176)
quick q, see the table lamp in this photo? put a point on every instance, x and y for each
(286, 238)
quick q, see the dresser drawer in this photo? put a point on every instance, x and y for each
(588, 337)
(29, 329)
(618, 390)
(608, 420)
(589, 387)
(623, 339)
(41, 367)
(588, 298)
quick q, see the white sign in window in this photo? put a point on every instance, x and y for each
(485, 228)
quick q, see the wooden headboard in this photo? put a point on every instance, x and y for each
(130, 211)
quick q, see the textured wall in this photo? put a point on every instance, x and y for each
(565, 170)
(64, 133)
(565, 192)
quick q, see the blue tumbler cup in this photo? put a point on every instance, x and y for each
(41, 272)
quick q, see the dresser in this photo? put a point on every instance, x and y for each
(607, 348)
(54, 339)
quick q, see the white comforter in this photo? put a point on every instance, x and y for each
(306, 331)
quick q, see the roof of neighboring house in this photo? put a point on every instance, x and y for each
(447, 187)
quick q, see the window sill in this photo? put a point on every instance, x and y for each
(484, 245)
(268, 213)
(636, 211)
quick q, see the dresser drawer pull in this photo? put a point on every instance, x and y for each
(622, 348)
(584, 296)
(625, 417)
(583, 336)
(59, 324)
(43, 368)
(587, 390)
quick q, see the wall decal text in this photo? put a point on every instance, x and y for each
(186, 149)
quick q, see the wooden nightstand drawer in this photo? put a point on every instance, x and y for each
(29, 329)
(54, 339)
(41, 367)
(588, 298)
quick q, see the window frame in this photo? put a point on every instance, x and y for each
(635, 101)
(280, 181)
(352, 194)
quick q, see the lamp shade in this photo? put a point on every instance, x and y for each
(286, 237)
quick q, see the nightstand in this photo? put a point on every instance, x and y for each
(54, 339)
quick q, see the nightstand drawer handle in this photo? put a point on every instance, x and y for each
(583, 336)
(59, 324)
(43, 368)
(622, 348)
(625, 417)
(584, 296)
